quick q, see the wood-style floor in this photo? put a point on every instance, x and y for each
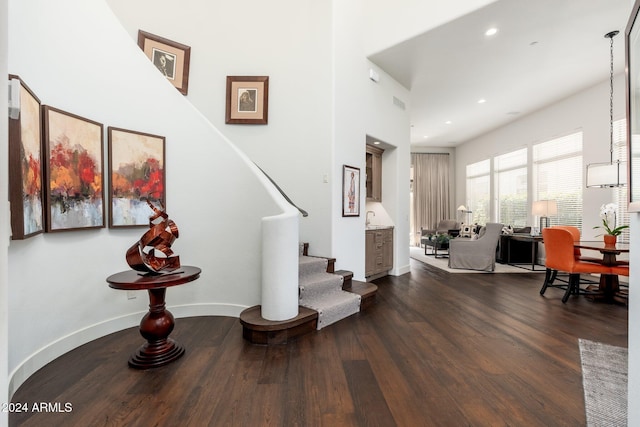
(436, 349)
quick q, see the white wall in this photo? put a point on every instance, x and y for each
(4, 220)
(363, 107)
(79, 58)
(289, 41)
(587, 111)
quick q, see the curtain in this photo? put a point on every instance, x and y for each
(430, 192)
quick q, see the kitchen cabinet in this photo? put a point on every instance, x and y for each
(374, 173)
(378, 251)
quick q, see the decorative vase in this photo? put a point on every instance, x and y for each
(610, 240)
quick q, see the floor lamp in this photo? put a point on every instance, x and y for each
(544, 209)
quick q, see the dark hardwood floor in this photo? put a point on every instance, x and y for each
(436, 349)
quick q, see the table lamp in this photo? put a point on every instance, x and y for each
(544, 209)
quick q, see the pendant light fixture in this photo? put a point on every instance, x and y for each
(612, 174)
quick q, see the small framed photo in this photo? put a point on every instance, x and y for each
(350, 191)
(137, 174)
(169, 57)
(73, 148)
(25, 164)
(247, 100)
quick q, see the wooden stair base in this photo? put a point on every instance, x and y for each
(257, 330)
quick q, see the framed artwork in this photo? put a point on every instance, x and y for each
(137, 174)
(73, 147)
(25, 165)
(350, 191)
(169, 57)
(247, 100)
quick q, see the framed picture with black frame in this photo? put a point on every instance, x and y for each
(350, 191)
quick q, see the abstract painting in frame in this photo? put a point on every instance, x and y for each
(25, 165)
(247, 100)
(170, 58)
(137, 174)
(74, 167)
(350, 191)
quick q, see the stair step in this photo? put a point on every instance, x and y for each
(257, 330)
(348, 276)
(333, 306)
(318, 284)
(367, 292)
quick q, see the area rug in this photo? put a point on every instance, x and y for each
(604, 379)
(442, 263)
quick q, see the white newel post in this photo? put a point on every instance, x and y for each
(280, 266)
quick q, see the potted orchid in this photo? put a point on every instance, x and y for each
(608, 216)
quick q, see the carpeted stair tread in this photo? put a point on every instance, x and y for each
(319, 284)
(310, 265)
(333, 306)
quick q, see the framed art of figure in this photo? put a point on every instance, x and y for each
(137, 174)
(25, 165)
(247, 100)
(350, 191)
(73, 147)
(169, 57)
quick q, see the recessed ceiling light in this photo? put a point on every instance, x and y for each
(491, 32)
(426, 136)
(448, 122)
(482, 101)
(376, 142)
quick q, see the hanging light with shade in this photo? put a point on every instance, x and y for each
(611, 174)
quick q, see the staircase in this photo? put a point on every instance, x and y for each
(326, 296)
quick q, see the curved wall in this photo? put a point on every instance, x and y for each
(75, 56)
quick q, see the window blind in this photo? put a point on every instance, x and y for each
(557, 175)
(510, 172)
(620, 193)
(479, 190)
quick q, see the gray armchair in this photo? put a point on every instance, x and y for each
(479, 254)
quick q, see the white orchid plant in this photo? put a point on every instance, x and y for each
(608, 216)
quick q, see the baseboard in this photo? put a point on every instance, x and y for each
(67, 343)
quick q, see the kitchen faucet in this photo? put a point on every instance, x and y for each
(368, 221)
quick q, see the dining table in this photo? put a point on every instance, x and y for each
(608, 289)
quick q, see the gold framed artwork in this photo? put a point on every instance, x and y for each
(25, 165)
(170, 58)
(247, 100)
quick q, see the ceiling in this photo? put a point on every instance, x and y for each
(544, 51)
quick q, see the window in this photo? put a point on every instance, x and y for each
(478, 191)
(557, 175)
(620, 193)
(510, 172)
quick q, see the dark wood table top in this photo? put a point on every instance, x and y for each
(132, 280)
(598, 245)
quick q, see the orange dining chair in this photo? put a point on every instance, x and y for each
(560, 256)
(575, 233)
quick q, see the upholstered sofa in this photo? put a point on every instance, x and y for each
(445, 226)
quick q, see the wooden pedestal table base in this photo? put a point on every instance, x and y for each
(158, 323)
